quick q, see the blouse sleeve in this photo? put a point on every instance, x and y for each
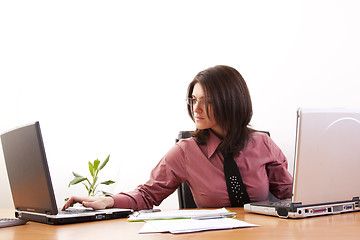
(280, 180)
(165, 178)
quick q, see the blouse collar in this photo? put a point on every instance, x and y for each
(213, 143)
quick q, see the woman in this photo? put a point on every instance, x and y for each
(220, 105)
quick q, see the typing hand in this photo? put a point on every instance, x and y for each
(97, 203)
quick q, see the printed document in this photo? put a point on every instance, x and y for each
(182, 214)
(192, 225)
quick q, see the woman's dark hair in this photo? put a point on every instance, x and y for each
(231, 104)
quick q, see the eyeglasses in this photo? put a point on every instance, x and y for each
(193, 101)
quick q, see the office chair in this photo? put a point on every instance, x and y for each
(185, 196)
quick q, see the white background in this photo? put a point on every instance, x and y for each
(110, 77)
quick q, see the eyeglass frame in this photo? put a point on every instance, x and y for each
(192, 101)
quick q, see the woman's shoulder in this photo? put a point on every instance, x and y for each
(262, 141)
(260, 135)
(186, 142)
(181, 149)
(259, 139)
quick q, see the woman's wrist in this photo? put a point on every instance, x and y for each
(109, 202)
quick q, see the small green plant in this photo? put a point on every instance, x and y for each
(92, 185)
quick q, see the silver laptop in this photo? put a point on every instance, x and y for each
(31, 185)
(326, 166)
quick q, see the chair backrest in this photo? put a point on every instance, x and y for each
(185, 196)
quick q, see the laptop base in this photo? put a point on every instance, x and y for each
(297, 210)
(72, 218)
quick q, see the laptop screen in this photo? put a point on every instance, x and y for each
(327, 159)
(27, 169)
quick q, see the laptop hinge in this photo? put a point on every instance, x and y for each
(294, 206)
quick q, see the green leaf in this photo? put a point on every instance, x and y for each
(86, 186)
(91, 169)
(77, 180)
(96, 165)
(106, 193)
(108, 182)
(104, 163)
(76, 175)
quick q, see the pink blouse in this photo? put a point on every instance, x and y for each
(262, 165)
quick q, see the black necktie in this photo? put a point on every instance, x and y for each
(235, 186)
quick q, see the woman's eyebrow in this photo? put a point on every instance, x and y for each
(202, 97)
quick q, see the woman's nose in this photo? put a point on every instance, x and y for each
(197, 107)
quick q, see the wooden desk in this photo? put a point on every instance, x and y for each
(342, 226)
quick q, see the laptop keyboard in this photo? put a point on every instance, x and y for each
(8, 222)
(76, 210)
(281, 204)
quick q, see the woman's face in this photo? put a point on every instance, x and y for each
(202, 121)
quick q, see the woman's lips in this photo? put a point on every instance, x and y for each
(198, 118)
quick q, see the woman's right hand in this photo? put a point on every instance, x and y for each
(97, 202)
